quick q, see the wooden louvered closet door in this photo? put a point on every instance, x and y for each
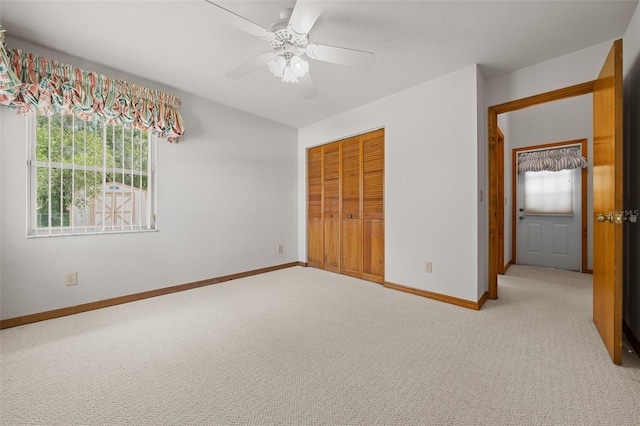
(373, 206)
(346, 206)
(314, 220)
(351, 239)
(331, 213)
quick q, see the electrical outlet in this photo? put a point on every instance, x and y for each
(71, 278)
(427, 266)
(280, 248)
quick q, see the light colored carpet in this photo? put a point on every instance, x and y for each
(302, 346)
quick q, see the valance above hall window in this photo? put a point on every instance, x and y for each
(31, 83)
(552, 160)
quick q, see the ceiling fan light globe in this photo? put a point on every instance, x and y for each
(277, 66)
(300, 67)
(289, 76)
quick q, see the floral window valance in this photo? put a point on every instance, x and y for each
(552, 160)
(30, 83)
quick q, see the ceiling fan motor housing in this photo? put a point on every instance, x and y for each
(285, 41)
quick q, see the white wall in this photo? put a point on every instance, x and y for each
(431, 180)
(227, 196)
(483, 184)
(559, 121)
(568, 70)
(631, 72)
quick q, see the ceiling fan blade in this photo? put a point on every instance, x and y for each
(237, 21)
(341, 55)
(307, 88)
(250, 66)
(304, 15)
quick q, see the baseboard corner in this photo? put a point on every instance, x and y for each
(482, 299)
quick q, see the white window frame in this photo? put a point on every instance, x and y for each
(150, 223)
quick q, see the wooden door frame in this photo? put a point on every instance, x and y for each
(496, 237)
(500, 195)
(583, 197)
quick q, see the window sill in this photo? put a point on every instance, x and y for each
(75, 233)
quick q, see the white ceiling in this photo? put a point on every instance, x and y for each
(179, 44)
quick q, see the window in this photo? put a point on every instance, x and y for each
(88, 177)
(548, 192)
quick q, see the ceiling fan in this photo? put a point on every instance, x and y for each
(289, 40)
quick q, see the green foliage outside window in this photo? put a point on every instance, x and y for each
(81, 156)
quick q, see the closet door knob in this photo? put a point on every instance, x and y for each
(350, 216)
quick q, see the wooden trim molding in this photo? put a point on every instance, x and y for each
(56, 313)
(554, 95)
(481, 301)
(494, 206)
(440, 297)
(631, 337)
(501, 199)
(506, 266)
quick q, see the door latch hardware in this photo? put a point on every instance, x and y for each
(603, 218)
(633, 218)
(618, 217)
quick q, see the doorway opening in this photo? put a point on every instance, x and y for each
(496, 174)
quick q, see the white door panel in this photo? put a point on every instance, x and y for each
(533, 237)
(551, 241)
(561, 239)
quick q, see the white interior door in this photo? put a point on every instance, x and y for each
(549, 219)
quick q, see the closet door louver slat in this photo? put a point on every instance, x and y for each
(331, 215)
(315, 255)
